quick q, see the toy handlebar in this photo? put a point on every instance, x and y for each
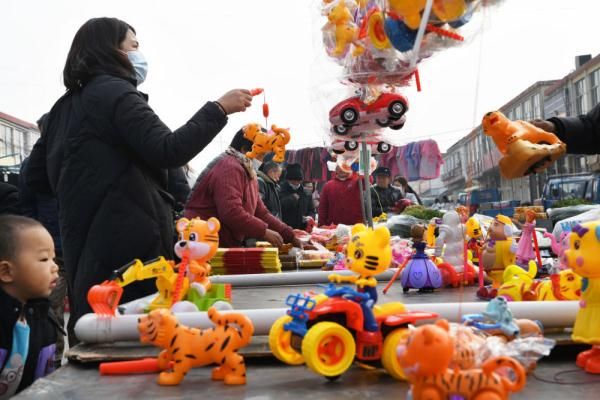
(344, 291)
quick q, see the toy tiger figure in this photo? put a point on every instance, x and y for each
(425, 359)
(190, 347)
(274, 140)
(199, 242)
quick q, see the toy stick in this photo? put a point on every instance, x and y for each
(537, 248)
(256, 92)
(395, 276)
(480, 267)
(144, 366)
(179, 281)
(418, 80)
(444, 32)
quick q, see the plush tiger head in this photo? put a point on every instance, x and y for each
(428, 350)
(583, 255)
(157, 327)
(264, 142)
(473, 228)
(198, 239)
(369, 252)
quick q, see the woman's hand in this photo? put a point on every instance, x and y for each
(235, 100)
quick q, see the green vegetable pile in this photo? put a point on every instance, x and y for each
(422, 212)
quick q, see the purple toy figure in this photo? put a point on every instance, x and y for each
(420, 272)
(525, 251)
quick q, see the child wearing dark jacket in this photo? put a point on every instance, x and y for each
(27, 328)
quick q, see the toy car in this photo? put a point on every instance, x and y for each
(383, 112)
(377, 147)
(328, 332)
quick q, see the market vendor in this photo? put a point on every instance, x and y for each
(383, 196)
(227, 189)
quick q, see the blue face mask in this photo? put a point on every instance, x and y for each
(140, 65)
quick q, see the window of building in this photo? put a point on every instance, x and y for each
(511, 115)
(2, 141)
(567, 101)
(580, 101)
(527, 110)
(519, 112)
(595, 87)
(537, 107)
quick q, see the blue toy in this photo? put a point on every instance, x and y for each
(497, 316)
(419, 271)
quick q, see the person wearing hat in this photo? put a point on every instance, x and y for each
(268, 187)
(296, 205)
(383, 196)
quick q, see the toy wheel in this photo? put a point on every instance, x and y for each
(389, 357)
(351, 145)
(383, 147)
(384, 123)
(396, 109)
(280, 342)
(396, 127)
(349, 116)
(328, 349)
(338, 151)
(341, 129)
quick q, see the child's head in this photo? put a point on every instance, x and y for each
(27, 268)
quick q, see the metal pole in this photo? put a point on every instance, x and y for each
(362, 202)
(367, 164)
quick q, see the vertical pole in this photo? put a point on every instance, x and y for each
(367, 172)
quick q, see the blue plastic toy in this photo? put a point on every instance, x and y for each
(497, 316)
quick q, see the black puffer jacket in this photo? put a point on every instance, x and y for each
(581, 134)
(105, 154)
(295, 205)
(9, 199)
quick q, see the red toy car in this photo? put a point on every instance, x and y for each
(386, 111)
(377, 146)
(330, 331)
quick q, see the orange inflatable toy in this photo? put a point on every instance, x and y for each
(187, 347)
(425, 359)
(526, 148)
(274, 140)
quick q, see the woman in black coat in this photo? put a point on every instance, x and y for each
(105, 155)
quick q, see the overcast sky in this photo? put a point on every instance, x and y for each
(198, 49)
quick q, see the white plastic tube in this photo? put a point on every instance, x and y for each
(92, 328)
(288, 278)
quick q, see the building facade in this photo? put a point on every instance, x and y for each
(17, 138)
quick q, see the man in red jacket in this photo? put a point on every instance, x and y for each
(340, 200)
(227, 189)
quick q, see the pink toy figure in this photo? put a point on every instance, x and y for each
(451, 235)
(559, 248)
(525, 251)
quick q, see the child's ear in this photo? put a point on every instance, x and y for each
(6, 272)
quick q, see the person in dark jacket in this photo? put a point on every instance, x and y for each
(227, 189)
(296, 205)
(178, 187)
(383, 196)
(9, 199)
(402, 182)
(105, 155)
(268, 187)
(27, 328)
(581, 134)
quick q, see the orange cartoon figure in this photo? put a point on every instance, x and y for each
(274, 140)
(527, 149)
(427, 355)
(188, 347)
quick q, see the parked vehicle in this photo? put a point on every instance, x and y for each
(573, 186)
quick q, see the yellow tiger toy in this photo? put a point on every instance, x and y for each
(425, 359)
(190, 347)
(199, 242)
(274, 140)
(368, 254)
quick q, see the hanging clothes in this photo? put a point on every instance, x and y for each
(431, 160)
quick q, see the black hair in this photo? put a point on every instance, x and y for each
(239, 142)
(95, 50)
(10, 227)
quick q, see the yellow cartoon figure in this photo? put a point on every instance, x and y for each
(274, 140)
(346, 31)
(583, 256)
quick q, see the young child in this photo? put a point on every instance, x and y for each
(27, 329)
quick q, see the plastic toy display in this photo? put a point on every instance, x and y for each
(330, 331)
(426, 359)
(559, 248)
(274, 140)
(519, 285)
(189, 347)
(419, 272)
(526, 148)
(498, 252)
(451, 241)
(198, 243)
(498, 319)
(353, 114)
(583, 256)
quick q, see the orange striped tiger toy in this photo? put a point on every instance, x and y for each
(274, 140)
(425, 359)
(190, 347)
